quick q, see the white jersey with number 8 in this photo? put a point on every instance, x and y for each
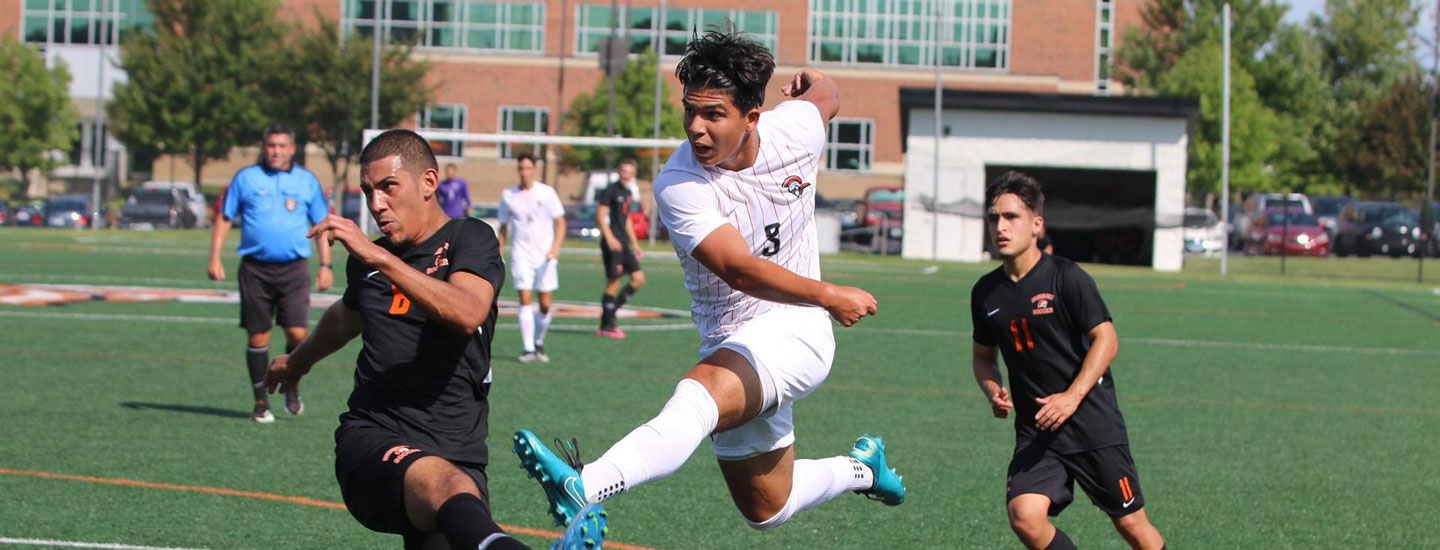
(772, 204)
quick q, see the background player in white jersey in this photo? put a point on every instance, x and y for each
(532, 217)
(739, 204)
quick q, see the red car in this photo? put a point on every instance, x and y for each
(1291, 232)
(882, 213)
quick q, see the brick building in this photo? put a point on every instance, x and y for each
(499, 64)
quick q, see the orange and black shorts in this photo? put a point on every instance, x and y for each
(1107, 475)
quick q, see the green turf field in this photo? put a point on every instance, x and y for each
(1264, 412)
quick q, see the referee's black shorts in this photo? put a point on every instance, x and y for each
(619, 263)
(278, 291)
(370, 464)
(1107, 475)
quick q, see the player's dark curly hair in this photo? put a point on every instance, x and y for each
(1020, 185)
(729, 61)
(414, 152)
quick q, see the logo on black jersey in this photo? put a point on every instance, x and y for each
(440, 259)
(794, 185)
(398, 453)
(1043, 303)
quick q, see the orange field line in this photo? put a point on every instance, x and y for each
(264, 496)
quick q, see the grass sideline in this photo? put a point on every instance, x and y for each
(1264, 412)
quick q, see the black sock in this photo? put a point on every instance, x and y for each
(1060, 542)
(258, 359)
(625, 294)
(607, 312)
(466, 525)
(290, 347)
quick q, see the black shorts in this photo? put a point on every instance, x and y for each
(370, 464)
(1106, 474)
(619, 263)
(279, 291)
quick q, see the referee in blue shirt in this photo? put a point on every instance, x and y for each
(277, 203)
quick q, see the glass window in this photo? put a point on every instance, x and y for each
(81, 21)
(444, 116)
(523, 120)
(37, 28)
(850, 144)
(592, 24)
(975, 34)
(454, 24)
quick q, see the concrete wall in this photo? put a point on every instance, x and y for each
(977, 139)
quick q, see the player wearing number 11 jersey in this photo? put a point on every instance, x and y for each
(738, 199)
(1044, 314)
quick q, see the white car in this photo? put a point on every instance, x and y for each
(1203, 232)
(194, 201)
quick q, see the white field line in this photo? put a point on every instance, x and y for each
(1172, 342)
(74, 544)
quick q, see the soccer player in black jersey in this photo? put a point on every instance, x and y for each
(1044, 314)
(410, 454)
(619, 249)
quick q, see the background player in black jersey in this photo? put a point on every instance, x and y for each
(410, 454)
(1046, 316)
(619, 249)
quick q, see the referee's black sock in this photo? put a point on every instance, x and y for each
(258, 359)
(466, 525)
(607, 311)
(1060, 542)
(625, 294)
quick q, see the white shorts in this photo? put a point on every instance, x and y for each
(540, 277)
(792, 350)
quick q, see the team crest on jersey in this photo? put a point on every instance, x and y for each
(398, 453)
(440, 259)
(1044, 303)
(794, 185)
(290, 204)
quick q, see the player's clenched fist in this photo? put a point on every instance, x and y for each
(848, 304)
(1000, 404)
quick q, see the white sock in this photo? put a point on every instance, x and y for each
(527, 327)
(816, 482)
(542, 326)
(657, 448)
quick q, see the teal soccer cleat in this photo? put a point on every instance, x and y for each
(586, 532)
(559, 477)
(889, 487)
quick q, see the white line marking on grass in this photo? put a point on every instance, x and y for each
(231, 320)
(1192, 343)
(73, 544)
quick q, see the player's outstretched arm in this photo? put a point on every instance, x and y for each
(218, 231)
(985, 363)
(816, 87)
(1056, 408)
(724, 252)
(461, 303)
(337, 327)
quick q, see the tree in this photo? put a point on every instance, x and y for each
(1390, 157)
(324, 88)
(1169, 29)
(1293, 84)
(634, 114)
(194, 84)
(1252, 128)
(36, 117)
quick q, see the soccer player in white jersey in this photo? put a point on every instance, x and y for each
(532, 217)
(739, 200)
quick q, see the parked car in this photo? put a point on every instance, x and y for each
(1434, 219)
(580, 222)
(70, 211)
(28, 215)
(152, 208)
(1377, 228)
(1203, 232)
(1292, 232)
(640, 219)
(882, 213)
(1327, 211)
(1253, 210)
(847, 209)
(190, 199)
(4, 212)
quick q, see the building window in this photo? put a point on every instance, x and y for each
(523, 119)
(479, 27)
(850, 144)
(973, 34)
(447, 117)
(83, 21)
(639, 23)
(1104, 34)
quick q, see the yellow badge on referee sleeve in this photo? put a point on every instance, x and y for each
(290, 204)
